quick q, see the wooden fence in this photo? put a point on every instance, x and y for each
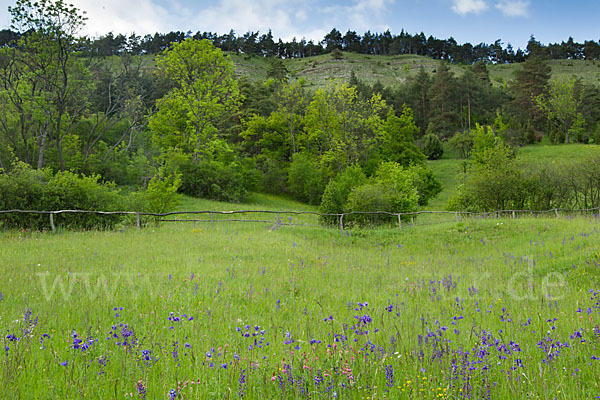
(403, 219)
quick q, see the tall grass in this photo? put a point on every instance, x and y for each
(480, 308)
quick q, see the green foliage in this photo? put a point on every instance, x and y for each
(401, 183)
(484, 142)
(427, 185)
(392, 190)
(513, 133)
(531, 81)
(205, 91)
(336, 193)
(28, 189)
(341, 127)
(277, 70)
(161, 194)
(462, 142)
(216, 180)
(368, 198)
(561, 107)
(494, 181)
(443, 95)
(398, 139)
(432, 147)
(306, 180)
(337, 54)
(46, 85)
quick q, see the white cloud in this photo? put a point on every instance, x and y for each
(463, 7)
(309, 19)
(291, 18)
(243, 16)
(514, 8)
(119, 16)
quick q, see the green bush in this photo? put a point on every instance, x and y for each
(431, 145)
(368, 198)
(336, 193)
(427, 185)
(494, 181)
(401, 185)
(27, 189)
(392, 190)
(273, 175)
(306, 182)
(215, 180)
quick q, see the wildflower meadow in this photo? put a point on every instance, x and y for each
(477, 309)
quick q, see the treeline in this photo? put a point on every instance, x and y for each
(189, 124)
(448, 106)
(386, 43)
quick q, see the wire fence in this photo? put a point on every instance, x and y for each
(312, 218)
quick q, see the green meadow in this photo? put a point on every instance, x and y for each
(317, 71)
(470, 309)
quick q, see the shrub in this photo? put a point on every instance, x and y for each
(161, 194)
(392, 190)
(425, 182)
(368, 198)
(273, 175)
(216, 180)
(431, 145)
(306, 182)
(336, 193)
(28, 189)
(401, 183)
(494, 181)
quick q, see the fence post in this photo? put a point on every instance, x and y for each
(413, 220)
(456, 213)
(342, 224)
(399, 221)
(52, 221)
(556, 212)
(137, 220)
(212, 223)
(513, 214)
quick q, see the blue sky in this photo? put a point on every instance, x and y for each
(475, 21)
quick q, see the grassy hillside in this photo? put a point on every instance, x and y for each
(449, 171)
(391, 70)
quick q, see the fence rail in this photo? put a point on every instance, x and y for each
(410, 216)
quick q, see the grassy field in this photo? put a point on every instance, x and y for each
(475, 309)
(448, 171)
(317, 71)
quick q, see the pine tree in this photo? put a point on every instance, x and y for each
(443, 98)
(530, 82)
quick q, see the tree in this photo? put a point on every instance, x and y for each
(443, 95)
(342, 127)
(418, 91)
(560, 106)
(398, 139)
(333, 40)
(292, 102)
(46, 53)
(530, 82)
(118, 100)
(277, 70)
(493, 181)
(205, 91)
(432, 147)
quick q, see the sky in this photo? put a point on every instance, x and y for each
(474, 21)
